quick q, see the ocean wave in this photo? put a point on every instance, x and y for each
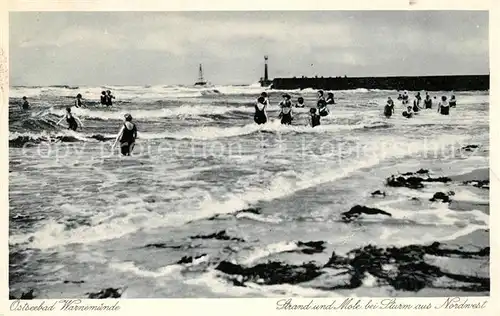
(169, 270)
(268, 250)
(126, 218)
(161, 92)
(179, 112)
(21, 139)
(216, 282)
(17, 139)
(274, 126)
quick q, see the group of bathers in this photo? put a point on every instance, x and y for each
(443, 106)
(286, 113)
(126, 136)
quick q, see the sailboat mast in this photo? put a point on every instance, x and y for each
(200, 82)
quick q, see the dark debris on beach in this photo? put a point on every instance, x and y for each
(402, 268)
(408, 268)
(482, 184)
(358, 210)
(413, 180)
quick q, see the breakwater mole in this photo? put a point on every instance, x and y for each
(428, 83)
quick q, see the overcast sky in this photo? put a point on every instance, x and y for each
(139, 48)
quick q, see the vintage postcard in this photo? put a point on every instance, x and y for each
(321, 158)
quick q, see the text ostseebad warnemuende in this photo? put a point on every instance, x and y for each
(64, 305)
(379, 304)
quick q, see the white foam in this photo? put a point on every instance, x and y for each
(468, 196)
(267, 251)
(213, 132)
(369, 280)
(47, 135)
(215, 282)
(130, 267)
(132, 217)
(258, 217)
(178, 111)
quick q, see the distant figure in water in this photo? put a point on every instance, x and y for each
(314, 119)
(71, 120)
(400, 96)
(428, 101)
(266, 98)
(408, 113)
(260, 116)
(389, 108)
(330, 99)
(405, 97)
(103, 98)
(78, 101)
(127, 136)
(416, 106)
(286, 110)
(321, 105)
(300, 103)
(453, 102)
(26, 104)
(419, 98)
(444, 106)
(109, 98)
(321, 95)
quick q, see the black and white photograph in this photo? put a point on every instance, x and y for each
(248, 154)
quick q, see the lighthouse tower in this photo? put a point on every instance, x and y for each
(264, 82)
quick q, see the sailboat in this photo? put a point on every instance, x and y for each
(201, 81)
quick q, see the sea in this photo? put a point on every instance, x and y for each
(207, 186)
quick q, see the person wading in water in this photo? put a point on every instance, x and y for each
(444, 106)
(127, 136)
(71, 120)
(286, 110)
(260, 116)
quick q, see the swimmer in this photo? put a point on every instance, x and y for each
(444, 106)
(330, 99)
(314, 119)
(321, 104)
(266, 98)
(78, 101)
(419, 98)
(26, 104)
(416, 107)
(408, 113)
(300, 103)
(321, 95)
(428, 101)
(71, 120)
(286, 110)
(127, 136)
(103, 98)
(453, 101)
(389, 108)
(109, 97)
(323, 109)
(405, 97)
(260, 116)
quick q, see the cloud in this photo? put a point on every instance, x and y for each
(152, 47)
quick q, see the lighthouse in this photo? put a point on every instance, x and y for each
(264, 82)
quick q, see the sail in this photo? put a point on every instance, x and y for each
(201, 81)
